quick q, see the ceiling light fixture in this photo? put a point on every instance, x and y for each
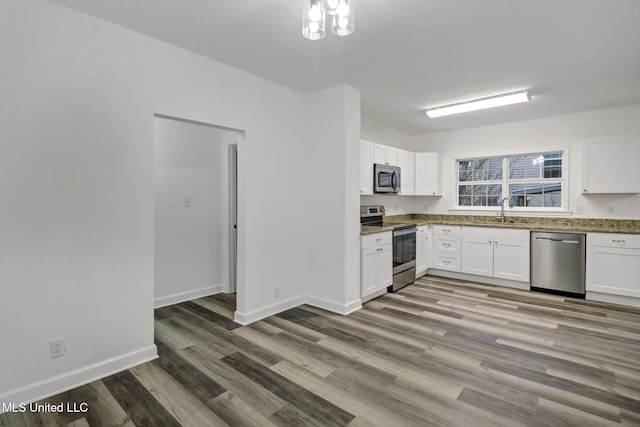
(315, 12)
(479, 104)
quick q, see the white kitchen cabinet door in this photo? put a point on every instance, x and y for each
(385, 155)
(611, 166)
(423, 250)
(376, 262)
(384, 267)
(366, 168)
(379, 154)
(368, 270)
(613, 264)
(407, 175)
(477, 256)
(511, 259)
(427, 174)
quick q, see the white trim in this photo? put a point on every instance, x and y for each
(480, 279)
(378, 293)
(70, 380)
(613, 299)
(254, 316)
(189, 295)
(566, 160)
(334, 307)
(491, 211)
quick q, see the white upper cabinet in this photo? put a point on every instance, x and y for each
(385, 155)
(611, 166)
(427, 175)
(407, 173)
(366, 168)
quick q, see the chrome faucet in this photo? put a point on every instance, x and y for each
(502, 207)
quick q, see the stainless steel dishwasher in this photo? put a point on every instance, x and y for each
(558, 262)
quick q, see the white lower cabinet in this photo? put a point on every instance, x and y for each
(477, 255)
(446, 247)
(423, 249)
(496, 252)
(511, 257)
(613, 267)
(376, 263)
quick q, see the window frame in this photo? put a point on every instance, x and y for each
(564, 180)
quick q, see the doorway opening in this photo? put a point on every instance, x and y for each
(195, 214)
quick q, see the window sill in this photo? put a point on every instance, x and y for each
(512, 212)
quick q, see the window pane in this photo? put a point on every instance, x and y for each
(464, 201)
(464, 190)
(547, 195)
(489, 168)
(535, 166)
(479, 195)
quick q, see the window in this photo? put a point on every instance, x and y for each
(532, 180)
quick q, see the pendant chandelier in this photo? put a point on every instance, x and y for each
(316, 12)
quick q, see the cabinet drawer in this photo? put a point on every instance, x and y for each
(447, 230)
(377, 239)
(422, 230)
(446, 261)
(446, 244)
(614, 240)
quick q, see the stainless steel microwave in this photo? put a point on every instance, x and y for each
(386, 179)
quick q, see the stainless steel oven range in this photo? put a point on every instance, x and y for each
(404, 245)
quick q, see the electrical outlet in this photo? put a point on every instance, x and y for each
(276, 292)
(58, 348)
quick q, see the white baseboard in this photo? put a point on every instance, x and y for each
(613, 299)
(334, 306)
(254, 316)
(188, 296)
(480, 279)
(70, 380)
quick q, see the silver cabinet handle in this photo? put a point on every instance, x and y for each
(496, 243)
(446, 245)
(446, 230)
(585, 190)
(618, 240)
(444, 261)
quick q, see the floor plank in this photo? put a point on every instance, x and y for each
(439, 352)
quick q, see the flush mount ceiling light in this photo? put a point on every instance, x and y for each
(315, 13)
(479, 104)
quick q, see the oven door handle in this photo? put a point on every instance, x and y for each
(404, 232)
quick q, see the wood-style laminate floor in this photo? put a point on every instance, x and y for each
(438, 352)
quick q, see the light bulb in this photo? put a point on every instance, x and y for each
(343, 8)
(332, 3)
(314, 26)
(315, 13)
(343, 22)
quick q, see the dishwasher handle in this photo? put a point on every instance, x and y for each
(547, 239)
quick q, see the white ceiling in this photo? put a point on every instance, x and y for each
(406, 55)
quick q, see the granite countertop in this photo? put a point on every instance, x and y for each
(598, 225)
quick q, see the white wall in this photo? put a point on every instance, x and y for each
(552, 132)
(332, 220)
(76, 184)
(374, 131)
(191, 243)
